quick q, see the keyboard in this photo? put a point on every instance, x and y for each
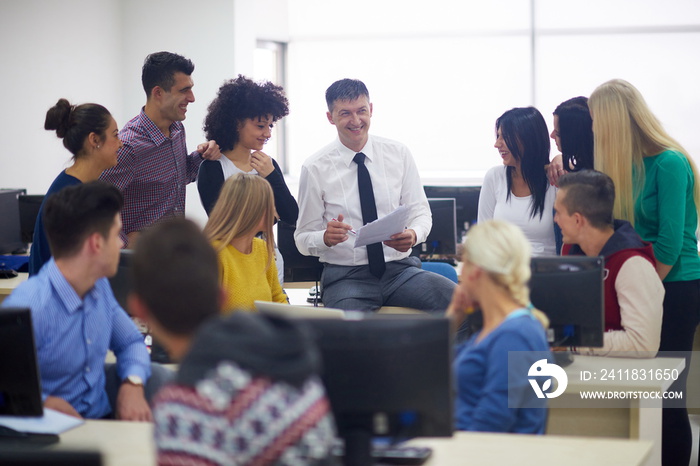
(9, 436)
(393, 454)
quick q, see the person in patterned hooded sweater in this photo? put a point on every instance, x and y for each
(247, 390)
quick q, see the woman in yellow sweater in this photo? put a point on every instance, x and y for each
(247, 269)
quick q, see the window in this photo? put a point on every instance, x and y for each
(269, 64)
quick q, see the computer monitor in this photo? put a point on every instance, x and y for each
(569, 289)
(442, 239)
(386, 376)
(121, 287)
(466, 203)
(33, 456)
(10, 231)
(120, 282)
(20, 385)
(29, 208)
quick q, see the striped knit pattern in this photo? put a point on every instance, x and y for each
(233, 419)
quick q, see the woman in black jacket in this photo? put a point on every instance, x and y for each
(240, 120)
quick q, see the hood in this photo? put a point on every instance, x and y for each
(265, 346)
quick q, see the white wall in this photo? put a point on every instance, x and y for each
(49, 50)
(93, 50)
(440, 73)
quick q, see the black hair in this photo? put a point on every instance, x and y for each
(345, 89)
(575, 133)
(159, 70)
(175, 272)
(76, 212)
(525, 133)
(74, 124)
(590, 193)
(238, 99)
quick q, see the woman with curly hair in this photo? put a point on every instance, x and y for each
(239, 120)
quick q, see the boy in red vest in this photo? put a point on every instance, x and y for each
(633, 290)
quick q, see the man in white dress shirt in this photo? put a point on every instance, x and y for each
(330, 209)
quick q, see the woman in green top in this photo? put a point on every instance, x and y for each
(657, 191)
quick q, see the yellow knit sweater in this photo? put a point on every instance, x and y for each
(245, 279)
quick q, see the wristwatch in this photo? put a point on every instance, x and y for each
(134, 380)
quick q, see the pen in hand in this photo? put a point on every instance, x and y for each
(351, 231)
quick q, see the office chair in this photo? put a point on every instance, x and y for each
(441, 268)
(297, 267)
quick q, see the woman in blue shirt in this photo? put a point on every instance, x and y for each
(494, 278)
(91, 134)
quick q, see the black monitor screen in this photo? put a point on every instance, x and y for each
(20, 386)
(442, 239)
(387, 376)
(10, 231)
(466, 203)
(121, 281)
(569, 289)
(29, 208)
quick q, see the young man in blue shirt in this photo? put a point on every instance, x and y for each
(75, 315)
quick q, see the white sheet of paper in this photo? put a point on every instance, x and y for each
(383, 228)
(52, 422)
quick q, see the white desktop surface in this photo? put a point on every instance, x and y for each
(131, 444)
(7, 285)
(298, 296)
(634, 418)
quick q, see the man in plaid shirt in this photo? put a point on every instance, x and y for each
(154, 167)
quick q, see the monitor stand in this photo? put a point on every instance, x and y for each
(563, 358)
(358, 448)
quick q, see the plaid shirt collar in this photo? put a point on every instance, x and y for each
(154, 133)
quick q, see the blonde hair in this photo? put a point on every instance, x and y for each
(624, 132)
(502, 251)
(244, 200)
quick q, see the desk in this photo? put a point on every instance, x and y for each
(634, 419)
(131, 444)
(7, 285)
(298, 296)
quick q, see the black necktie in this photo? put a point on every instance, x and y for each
(375, 253)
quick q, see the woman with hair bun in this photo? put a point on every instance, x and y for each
(495, 273)
(91, 134)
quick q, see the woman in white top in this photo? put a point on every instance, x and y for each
(518, 191)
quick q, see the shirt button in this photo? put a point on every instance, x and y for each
(89, 341)
(87, 369)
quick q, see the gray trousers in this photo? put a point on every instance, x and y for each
(404, 284)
